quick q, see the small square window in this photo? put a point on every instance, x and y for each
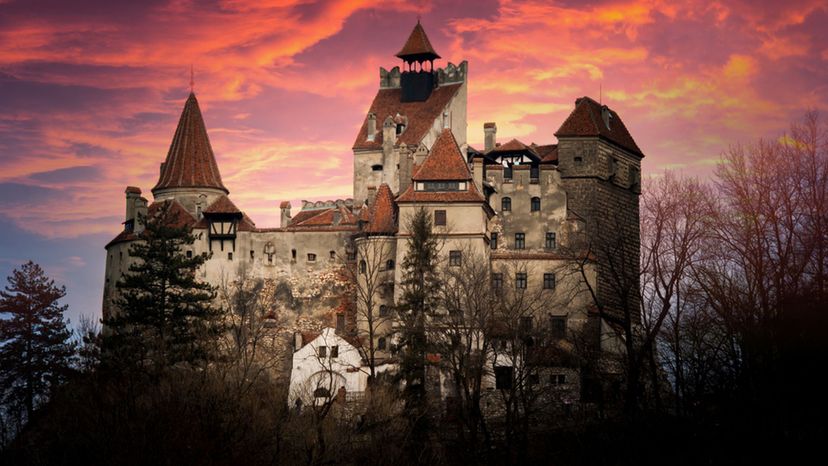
(455, 258)
(334, 351)
(520, 280)
(229, 256)
(440, 217)
(549, 281)
(579, 160)
(520, 240)
(551, 241)
(189, 254)
(311, 257)
(322, 351)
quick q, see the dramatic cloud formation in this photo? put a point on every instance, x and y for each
(90, 92)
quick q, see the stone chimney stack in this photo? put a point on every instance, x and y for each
(406, 161)
(140, 215)
(132, 194)
(389, 134)
(285, 219)
(372, 126)
(477, 173)
(490, 135)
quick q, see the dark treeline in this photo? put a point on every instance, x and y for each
(721, 361)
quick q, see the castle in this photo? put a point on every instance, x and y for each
(517, 205)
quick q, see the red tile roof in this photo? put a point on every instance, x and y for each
(587, 120)
(444, 162)
(548, 153)
(418, 47)
(190, 161)
(178, 215)
(421, 115)
(511, 147)
(222, 205)
(325, 218)
(383, 213)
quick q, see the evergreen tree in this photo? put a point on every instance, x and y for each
(420, 287)
(164, 315)
(35, 347)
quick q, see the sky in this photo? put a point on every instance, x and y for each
(91, 91)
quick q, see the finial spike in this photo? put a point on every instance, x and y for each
(192, 79)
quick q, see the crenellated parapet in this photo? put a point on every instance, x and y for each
(390, 79)
(452, 73)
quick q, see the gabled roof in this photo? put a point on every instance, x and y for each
(511, 147)
(548, 153)
(445, 162)
(587, 120)
(190, 162)
(421, 115)
(382, 217)
(178, 217)
(418, 47)
(222, 205)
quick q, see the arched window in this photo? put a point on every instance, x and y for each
(389, 264)
(381, 343)
(506, 204)
(383, 310)
(535, 204)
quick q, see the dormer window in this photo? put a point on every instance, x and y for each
(441, 186)
(400, 128)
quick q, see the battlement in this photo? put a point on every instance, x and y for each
(318, 205)
(451, 74)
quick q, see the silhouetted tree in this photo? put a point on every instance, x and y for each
(35, 347)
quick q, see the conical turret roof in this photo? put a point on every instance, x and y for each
(190, 162)
(418, 47)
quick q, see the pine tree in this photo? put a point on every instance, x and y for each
(35, 347)
(420, 287)
(164, 314)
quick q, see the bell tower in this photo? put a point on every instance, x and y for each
(418, 77)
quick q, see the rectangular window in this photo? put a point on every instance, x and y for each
(520, 240)
(322, 351)
(525, 324)
(549, 281)
(332, 254)
(551, 241)
(497, 281)
(334, 351)
(455, 258)
(189, 255)
(507, 172)
(503, 377)
(520, 280)
(535, 205)
(493, 241)
(293, 254)
(441, 186)
(252, 254)
(557, 379)
(381, 344)
(534, 172)
(351, 256)
(340, 322)
(311, 257)
(383, 311)
(229, 256)
(558, 326)
(440, 217)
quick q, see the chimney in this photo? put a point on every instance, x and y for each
(140, 215)
(285, 219)
(389, 133)
(477, 173)
(132, 193)
(489, 136)
(372, 126)
(406, 162)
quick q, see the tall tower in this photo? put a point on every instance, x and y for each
(600, 166)
(410, 110)
(190, 173)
